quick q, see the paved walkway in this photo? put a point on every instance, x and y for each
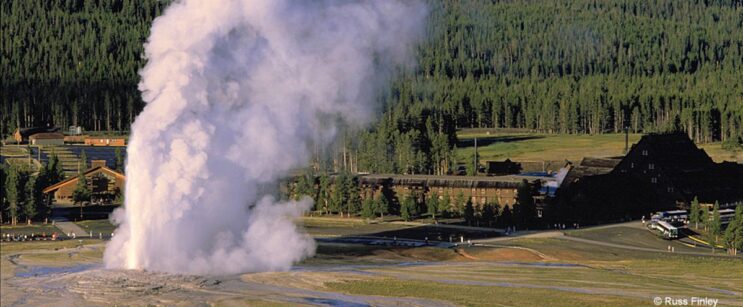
(70, 227)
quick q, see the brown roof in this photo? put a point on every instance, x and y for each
(47, 136)
(589, 167)
(73, 180)
(25, 132)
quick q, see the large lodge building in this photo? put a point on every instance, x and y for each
(479, 190)
(660, 172)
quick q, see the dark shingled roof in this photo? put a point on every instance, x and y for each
(688, 167)
(26, 132)
(589, 167)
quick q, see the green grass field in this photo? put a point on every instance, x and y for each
(97, 226)
(632, 236)
(559, 147)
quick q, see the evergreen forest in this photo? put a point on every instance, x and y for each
(563, 66)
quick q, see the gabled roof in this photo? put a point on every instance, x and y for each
(73, 180)
(688, 167)
(25, 132)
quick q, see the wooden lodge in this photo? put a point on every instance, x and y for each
(104, 183)
(660, 172)
(477, 189)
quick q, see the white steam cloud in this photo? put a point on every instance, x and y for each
(236, 90)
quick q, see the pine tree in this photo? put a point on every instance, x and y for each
(460, 204)
(81, 194)
(715, 228)
(525, 209)
(694, 212)
(445, 203)
(118, 160)
(14, 193)
(368, 208)
(382, 205)
(323, 201)
(405, 208)
(353, 202)
(83, 164)
(734, 233)
(31, 199)
(432, 205)
(506, 217)
(469, 213)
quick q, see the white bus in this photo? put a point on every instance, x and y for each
(675, 216)
(726, 215)
(667, 230)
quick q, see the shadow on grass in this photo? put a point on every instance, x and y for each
(485, 141)
(432, 233)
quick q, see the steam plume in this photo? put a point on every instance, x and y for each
(235, 92)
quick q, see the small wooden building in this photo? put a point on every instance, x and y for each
(22, 135)
(105, 141)
(104, 183)
(46, 138)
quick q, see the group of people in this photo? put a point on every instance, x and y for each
(11, 237)
(562, 226)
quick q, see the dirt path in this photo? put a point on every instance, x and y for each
(70, 227)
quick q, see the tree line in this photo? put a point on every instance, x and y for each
(72, 62)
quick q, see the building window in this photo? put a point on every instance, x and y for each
(654, 180)
(651, 166)
(632, 165)
(670, 189)
(644, 152)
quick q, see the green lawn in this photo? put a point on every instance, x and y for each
(633, 237)
(332, 227)
(97, 226)
(560, 147)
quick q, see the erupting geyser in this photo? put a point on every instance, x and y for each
(235, 92)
